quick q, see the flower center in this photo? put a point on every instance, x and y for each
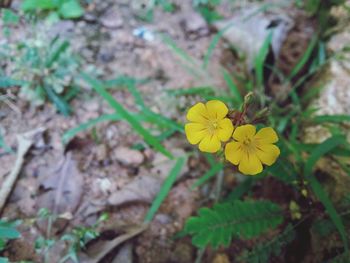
(249, 145)
(212, 126)
(247, 141)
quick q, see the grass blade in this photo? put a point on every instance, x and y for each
(316, 154)
(164, 190)
(6, 82)
(59, 102)
(232, 87)
(135, 124)
(331, 118)
(209, 174)
(241, 189)
(201, 90)
(303, 59)
(86, 125)
(260, 61)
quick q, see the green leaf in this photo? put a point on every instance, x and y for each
(6, 82)
(57, 51)
(262, 252)
(71, 9)
(245, 219)
(233, 88)
(241, 189)
(304, 59)
(31, 5)
(59, 102)
(316, 154)
(164, 190)
(331, 118)
(213, 43)
(149, 115)
(8, 230)
(260, 60)
(200, 90)
(209, 174)
(86, 125)
(9, 17)
(149, 138)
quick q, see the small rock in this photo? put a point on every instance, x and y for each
(125, 254)
(128, 156)
(221, 258)
(101, 152)
(194, 23)
(163, 219)
(90, 17)
(111, 19)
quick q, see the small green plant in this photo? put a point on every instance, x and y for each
(207, 9)
(8, 231)
(66, 9)
(79, 237)
(44, 70)
(76, 239)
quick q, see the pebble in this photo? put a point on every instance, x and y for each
(128, 156)
(111, 19)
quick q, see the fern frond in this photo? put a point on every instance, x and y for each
(263, 251)
(244, 219)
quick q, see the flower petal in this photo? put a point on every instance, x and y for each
(197, 113)
(268, 153)
(225, 129)
(195, 132)
(216, 109)
(233, 153)
(243, 132)
(250, 164)
(210, 144)
(267, 135)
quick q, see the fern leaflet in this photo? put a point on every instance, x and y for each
(263, 251)
(244, 219)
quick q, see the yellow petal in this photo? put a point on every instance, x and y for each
(195, 132)
(197, 113)
(225, 129)
(216, 109)
(233, 153)
(267, 135)
(243, 132)
(250, 164)
(268, 153)
(210, 144)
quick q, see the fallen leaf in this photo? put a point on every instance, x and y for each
(62, 190)
(96, 254)
(248, 29)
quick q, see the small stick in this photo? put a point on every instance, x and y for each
(25, 141)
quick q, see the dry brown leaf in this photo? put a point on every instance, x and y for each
(62, 190)
(101, 249)
(248, 29)
(63, 187)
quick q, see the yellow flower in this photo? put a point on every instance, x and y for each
(251, 149)
(208, 125)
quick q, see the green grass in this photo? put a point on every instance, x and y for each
(126, 115)
(165, 189)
